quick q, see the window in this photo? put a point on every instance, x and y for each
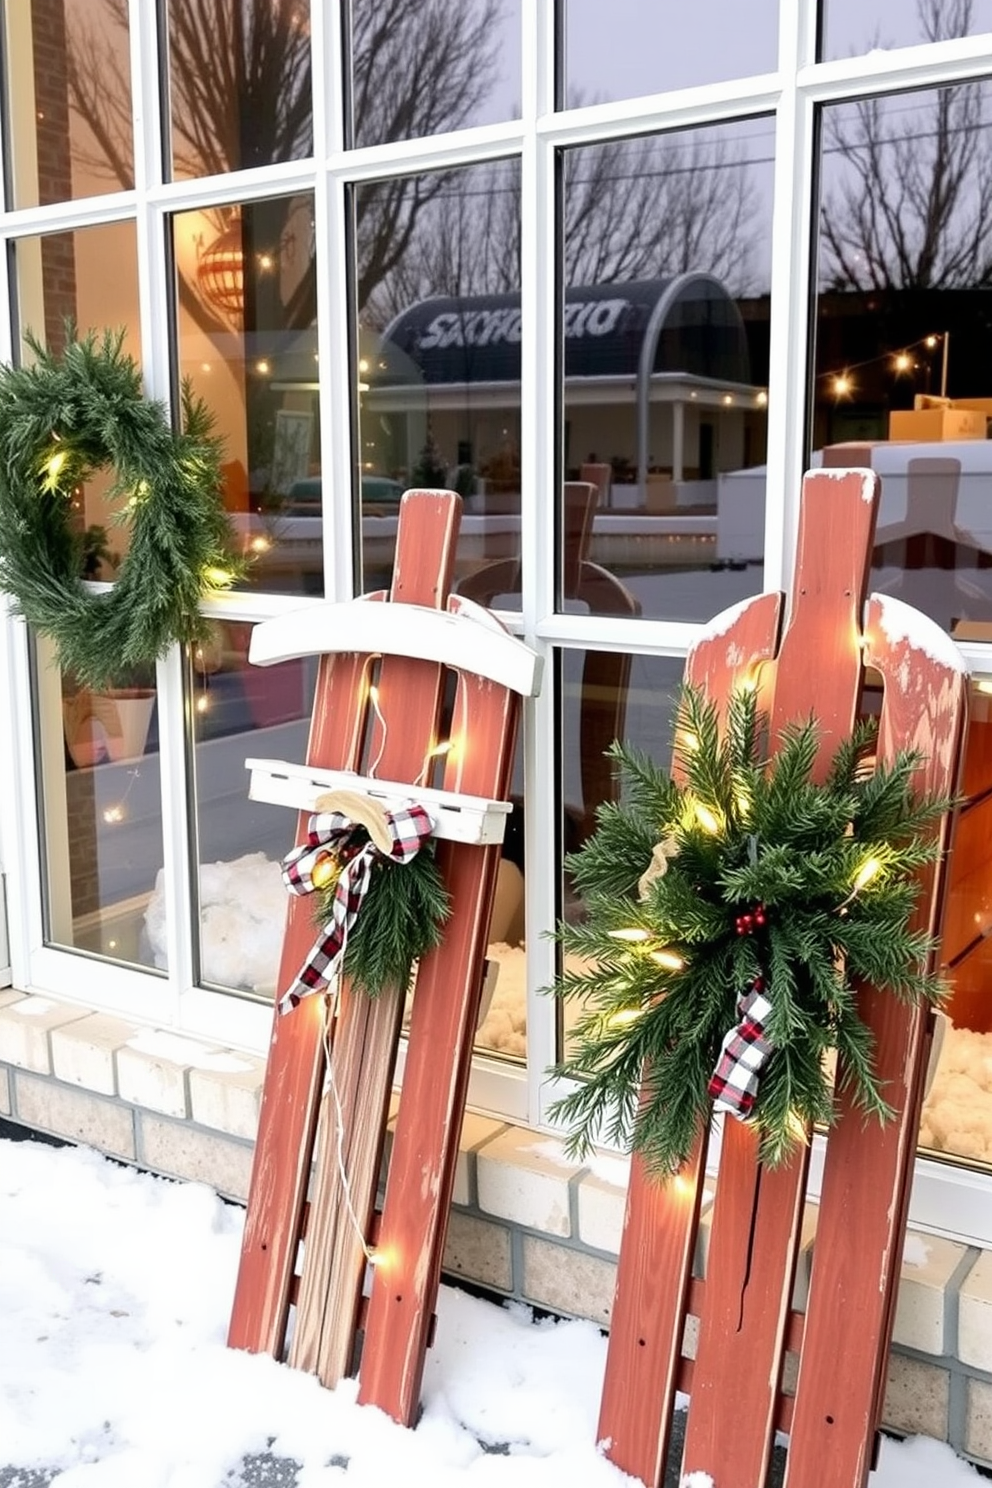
(526, 251)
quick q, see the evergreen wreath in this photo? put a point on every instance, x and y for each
(61, 419)
(730, 919)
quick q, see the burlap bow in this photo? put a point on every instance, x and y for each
(745, 1049)
(331, 839)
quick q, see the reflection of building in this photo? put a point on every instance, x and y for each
(659, 368)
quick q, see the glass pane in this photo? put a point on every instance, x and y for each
(246, 292)
(853, 27)
(605, 696)
(627, 48)
(665, 327)
(502, 1027)
(957, 1112)
(438, 372)
(239, 84)
(63, 276)
(902, 378)
(420, 70)
(241, 712)
(68, 78)
(100, 788)
(98, 751)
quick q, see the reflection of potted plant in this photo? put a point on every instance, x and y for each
(112, 723)
(96, 551)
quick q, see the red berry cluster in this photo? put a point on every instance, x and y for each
(750, 920)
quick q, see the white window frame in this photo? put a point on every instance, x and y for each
(946, 1197)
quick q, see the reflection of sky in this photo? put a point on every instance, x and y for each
(853, 27)
(628, 48)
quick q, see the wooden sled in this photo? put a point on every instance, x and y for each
(747, 1325)
(445, 672)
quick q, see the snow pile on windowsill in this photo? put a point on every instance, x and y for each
(957, 1115)
(115, 1293)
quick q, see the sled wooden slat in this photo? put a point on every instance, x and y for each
(444, 1017)
(659, 1233)
(864, 1198)
(363, 1049)
(744, 1305)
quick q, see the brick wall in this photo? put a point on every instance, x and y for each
(58, 263)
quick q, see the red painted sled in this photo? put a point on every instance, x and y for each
(444, 672)
(747, 1325)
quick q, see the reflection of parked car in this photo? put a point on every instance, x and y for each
(303, 499)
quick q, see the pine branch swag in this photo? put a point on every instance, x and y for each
(729, 921)
(61, 419)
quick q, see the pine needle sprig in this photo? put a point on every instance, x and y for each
(402, 918)
(741, 868)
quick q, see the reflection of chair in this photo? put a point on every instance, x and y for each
(605, 674)
(935, 561)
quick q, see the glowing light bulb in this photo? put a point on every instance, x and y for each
(931, 342)
(842, 385)
(866, 873)
(623, 1018)
(632, 934)
(202, 703)
(670, 960)
(707, 819)
(260, 544)
(217, 578)
(762, 400)
(55, 464)
(689, 741)
(114, 814)
(263, 367)
(902, 362)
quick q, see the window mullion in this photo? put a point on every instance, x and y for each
(789, 320)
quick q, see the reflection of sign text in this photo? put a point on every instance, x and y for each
(492, 327)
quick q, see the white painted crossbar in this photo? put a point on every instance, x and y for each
(465, 637)
(457, 818)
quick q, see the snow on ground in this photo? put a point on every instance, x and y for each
(115, 1289)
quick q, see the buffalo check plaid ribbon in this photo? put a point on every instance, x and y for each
(332, 831)
(745, 1049)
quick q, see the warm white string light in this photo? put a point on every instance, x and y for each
(374, 700)
(330, 1013)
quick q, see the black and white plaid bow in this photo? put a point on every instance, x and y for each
(745, 1049)
(332, 833)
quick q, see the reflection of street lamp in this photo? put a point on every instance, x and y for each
(944, 342)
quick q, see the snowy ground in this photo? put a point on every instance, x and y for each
(115, 1289)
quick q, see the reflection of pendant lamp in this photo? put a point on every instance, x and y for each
(220, 273)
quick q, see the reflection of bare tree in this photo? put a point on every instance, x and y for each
(240, 85)
(912, 204)
(650, 207)
(633, 209)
